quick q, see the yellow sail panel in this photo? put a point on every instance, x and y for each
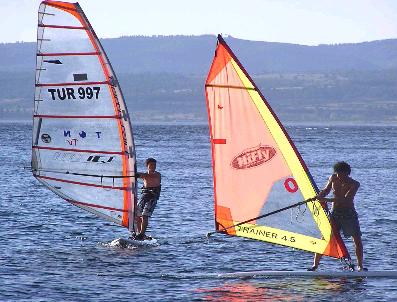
(256, 167)
(282, 237)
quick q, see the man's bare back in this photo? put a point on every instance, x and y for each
(344, 189)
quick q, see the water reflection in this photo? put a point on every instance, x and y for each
(317, 289)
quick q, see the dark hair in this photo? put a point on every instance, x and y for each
(342, 167)
(150, 160)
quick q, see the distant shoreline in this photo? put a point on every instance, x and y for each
(193, 123)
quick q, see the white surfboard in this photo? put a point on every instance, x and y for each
(125, 243)
(309, 274)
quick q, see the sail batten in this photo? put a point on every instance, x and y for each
(230, 86)
(72, 84)
(80, 120)
(62, 26)
(257, 169)
(61, 54)
(79, 150)
(80, 183)
(77, 116)
(95, 206)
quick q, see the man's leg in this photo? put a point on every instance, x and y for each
(145, 221)
(139, 211)
(138, 221)
(359, 251)
(146, 213)
(316, 262)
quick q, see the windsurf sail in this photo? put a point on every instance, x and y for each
(258, 172)
(82, 145)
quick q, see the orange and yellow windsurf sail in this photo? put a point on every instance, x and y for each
(256, 167)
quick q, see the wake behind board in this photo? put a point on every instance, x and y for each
(126, 243)
(307, 274)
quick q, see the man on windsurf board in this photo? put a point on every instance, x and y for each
(343, 214)
(150, 193)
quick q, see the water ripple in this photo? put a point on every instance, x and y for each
(52, 250)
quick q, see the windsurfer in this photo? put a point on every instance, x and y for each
(149, 195)
(343, 215)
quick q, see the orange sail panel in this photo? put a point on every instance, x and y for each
(256, 167)
(82, 146)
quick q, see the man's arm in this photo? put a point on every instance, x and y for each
(349, 196)
(324, 192)
(159, 177)
(140, 175)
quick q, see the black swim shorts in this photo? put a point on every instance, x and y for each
(347, 221)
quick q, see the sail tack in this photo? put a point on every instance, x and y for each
(82, 145)
(256, 167)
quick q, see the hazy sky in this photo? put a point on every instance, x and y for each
(309, 22)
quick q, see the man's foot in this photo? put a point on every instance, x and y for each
(313, 268)
(140, 236)
(348, 267)
(362, 269)
(351, 267)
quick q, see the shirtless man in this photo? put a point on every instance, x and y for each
(343, 215)
(149, 195)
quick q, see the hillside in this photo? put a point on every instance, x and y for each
(163, 77)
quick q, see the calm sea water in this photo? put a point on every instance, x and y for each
(53, 251)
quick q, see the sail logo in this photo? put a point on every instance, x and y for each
(69, 93)
(68, 157)
(253, 157)
(100, 159)
(46, 138)
(82, 134)
(72, 141)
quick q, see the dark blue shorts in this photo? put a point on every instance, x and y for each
(145, 206)
(347, 221)
(148, 201)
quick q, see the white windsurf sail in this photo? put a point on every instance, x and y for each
(82, 145)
